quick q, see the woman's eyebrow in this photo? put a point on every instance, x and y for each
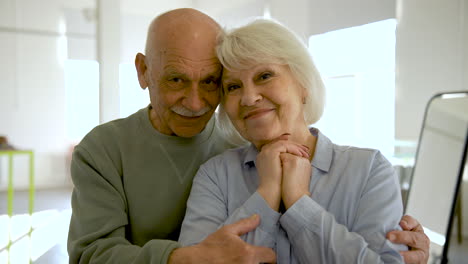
(229, 80)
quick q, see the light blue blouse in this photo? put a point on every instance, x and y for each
(355, 200)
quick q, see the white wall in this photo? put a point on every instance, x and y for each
(31, 85)
(311, 17)
(431, 57)
(233, 13)
(305, 17)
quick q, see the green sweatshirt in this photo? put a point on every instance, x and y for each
(131, 184)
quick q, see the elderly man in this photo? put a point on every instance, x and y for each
(133, 176)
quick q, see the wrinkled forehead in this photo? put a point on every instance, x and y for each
(176, 62)
(189, 50)
(180, 61)
(190, 46)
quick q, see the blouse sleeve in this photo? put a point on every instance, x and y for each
(207, 210)
(313, 231)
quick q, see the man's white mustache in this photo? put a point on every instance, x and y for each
(189, 113)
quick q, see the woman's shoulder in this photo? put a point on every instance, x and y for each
(361, 153)
(355, 151)
(367, 164)
(224, 169)
(350, 160)
(228, 157)
(341, 153)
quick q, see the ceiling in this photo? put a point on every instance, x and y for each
(150, 7)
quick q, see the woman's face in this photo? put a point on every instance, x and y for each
(263, 102)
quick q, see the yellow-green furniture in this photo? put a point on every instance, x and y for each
(10, 155)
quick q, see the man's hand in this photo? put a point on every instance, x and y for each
(413, 236)
(226, 246)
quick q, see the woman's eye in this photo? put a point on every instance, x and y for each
(265, 76)
(232, 87)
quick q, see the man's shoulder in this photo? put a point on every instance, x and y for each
(113, 130)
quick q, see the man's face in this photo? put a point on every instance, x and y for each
(184, 89)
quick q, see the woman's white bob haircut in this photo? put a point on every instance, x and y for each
(263, 42)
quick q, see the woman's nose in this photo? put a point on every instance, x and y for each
(250, 95)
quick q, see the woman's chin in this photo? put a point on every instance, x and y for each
(262, 138)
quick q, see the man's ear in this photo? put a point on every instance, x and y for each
(140, 65)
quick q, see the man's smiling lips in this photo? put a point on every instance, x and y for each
(257, 113)
(188, 117)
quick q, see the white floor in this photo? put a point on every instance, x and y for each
(49, 222)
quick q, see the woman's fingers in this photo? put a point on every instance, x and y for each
(286, 146)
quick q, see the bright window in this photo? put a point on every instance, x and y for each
(132, 97)
(358, 68)
(82, 89)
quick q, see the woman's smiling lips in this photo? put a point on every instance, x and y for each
(257, 113)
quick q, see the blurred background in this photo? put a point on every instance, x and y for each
(67, 66)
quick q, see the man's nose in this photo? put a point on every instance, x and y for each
(193, 99)
(250, 95)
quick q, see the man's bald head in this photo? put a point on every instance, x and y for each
(181, 71)
(180, 27)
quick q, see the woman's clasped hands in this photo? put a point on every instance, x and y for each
(284, 170)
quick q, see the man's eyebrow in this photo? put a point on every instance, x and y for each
(175, 74)
(170, 68)
(173, 71)
(216, 75)
(211, 76)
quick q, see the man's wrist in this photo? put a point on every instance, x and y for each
(180, 255)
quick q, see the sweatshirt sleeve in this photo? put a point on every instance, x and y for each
(207, 210)
(313, 231)
(99, 221)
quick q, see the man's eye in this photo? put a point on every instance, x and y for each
(210, 81)
(176, 80)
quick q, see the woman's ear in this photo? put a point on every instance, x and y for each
(305, 95)
(140, 65)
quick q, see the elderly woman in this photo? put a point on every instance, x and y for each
(318, 202)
